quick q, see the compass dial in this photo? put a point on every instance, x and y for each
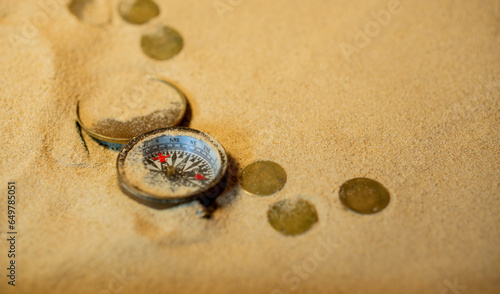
(173, 164)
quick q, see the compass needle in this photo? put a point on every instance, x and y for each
(200, 177)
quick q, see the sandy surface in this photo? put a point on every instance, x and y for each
(415, 106)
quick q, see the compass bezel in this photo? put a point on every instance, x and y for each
(175, 131)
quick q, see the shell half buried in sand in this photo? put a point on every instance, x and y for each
(137, 104)
(171, 165)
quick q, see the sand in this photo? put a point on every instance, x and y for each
(412, 103)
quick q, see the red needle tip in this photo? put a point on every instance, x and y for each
(200, 177)
(161, 157)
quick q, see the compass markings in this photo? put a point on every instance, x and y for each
(174, 157)
(151, 162)
(194, 164)
(180, 167)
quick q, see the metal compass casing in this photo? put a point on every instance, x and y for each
(172, 166)
(155, 103)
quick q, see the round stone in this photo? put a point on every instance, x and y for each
(263, 178)
(162, 43)
(292, 217)
(363, 195)
(138, 11)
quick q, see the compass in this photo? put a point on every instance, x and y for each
(172, 165)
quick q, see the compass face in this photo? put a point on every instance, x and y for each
(171, 164)
(181, 168)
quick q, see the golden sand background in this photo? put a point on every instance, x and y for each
(417, 108)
